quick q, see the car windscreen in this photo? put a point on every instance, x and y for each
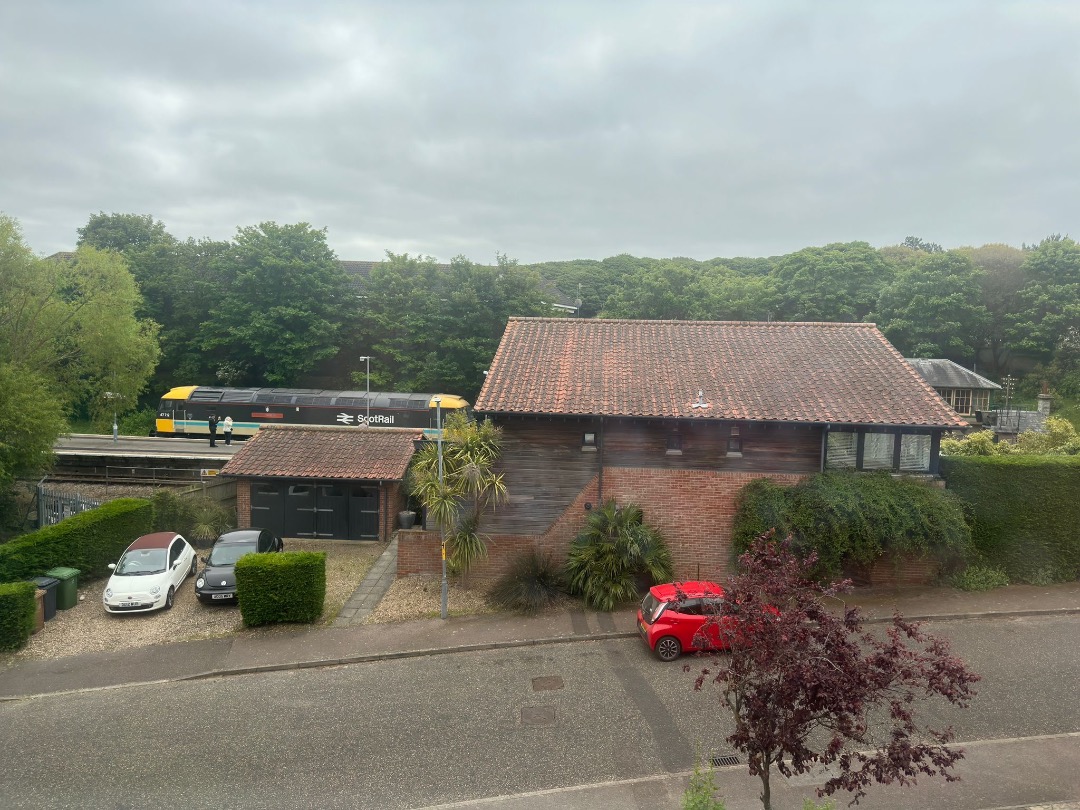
(229, 553)
(141, 561)
(651, 608)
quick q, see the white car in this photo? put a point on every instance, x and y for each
(149, 574)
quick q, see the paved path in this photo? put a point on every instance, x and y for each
(366, 597)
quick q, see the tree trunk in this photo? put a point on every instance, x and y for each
(766, 795)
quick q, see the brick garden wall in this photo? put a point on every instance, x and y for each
(243, 503)
(694, 509)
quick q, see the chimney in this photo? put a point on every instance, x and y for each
(1044, 399)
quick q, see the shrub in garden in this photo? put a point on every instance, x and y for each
(88, 541)
(289, 586)
(533, 583)
(853, 518)
(979, 578)
(197, 518)
(18, 604)
(615, 553)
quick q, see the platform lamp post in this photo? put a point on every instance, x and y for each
(367, 391)
(442, 529)
(112, 396)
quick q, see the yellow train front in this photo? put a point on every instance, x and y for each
(185, 411)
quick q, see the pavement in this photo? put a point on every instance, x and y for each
(1018, 774)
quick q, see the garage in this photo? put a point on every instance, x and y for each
(315, 482)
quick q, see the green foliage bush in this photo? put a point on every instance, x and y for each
(289, 586)
(1024, 513)
(979, 578)
(853, 518)
(533, 583)
(615, 553)
(88, 541)
(700, 794)
(18, 605)
(196, 517)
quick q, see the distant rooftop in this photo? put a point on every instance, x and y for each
(947, 374)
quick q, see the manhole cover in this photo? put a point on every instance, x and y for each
(547, 683)
(726, 759)
(538, 716)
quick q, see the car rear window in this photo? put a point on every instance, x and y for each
(229, 553)
(651, 608)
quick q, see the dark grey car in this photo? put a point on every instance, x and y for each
(217, 581)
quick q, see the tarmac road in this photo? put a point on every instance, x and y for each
(461, 727)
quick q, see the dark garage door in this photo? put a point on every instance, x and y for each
(330, 510)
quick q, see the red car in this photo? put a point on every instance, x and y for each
(682, 617)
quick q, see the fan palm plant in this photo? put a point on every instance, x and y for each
(614, 550)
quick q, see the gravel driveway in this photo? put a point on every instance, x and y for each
(88, 628)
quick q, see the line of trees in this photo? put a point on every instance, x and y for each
(134, 311)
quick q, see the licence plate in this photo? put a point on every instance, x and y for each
(128, 604)
(221, 596)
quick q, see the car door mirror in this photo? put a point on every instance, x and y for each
(112, 566)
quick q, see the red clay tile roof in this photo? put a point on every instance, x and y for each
(840, 373)
(310, 451)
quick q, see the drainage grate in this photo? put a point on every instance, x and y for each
(538, 716)
(726, 759)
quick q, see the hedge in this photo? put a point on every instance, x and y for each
(287, 586)
(88, 541)
(851, 519)
(18, 606)
(1024, 512)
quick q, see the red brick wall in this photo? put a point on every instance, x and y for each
(888, 570)
(693, 508)
(243, 503)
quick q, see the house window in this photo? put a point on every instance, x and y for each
(980, 401)
(674, 442)
(958, 398)
(588, 443)
(878, 451)
(842, 450)
(914, 453)
(734, 442)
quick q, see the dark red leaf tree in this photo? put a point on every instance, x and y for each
(808, 687)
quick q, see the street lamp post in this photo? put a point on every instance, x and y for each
(442, 529)
(367, 391)
(112, 396)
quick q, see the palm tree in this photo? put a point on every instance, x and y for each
(614, 550)
(468, 486)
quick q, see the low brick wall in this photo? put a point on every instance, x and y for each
(889, 570)
(694, 509)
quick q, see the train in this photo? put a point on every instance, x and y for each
(184, 411)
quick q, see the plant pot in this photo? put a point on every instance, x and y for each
(406, 519)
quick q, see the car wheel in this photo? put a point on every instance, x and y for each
(668, 648)
(170, 597)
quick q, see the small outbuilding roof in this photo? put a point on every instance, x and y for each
(838, 373)
(325, 452)
(947, 374)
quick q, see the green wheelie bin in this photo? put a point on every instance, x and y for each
(67, 588)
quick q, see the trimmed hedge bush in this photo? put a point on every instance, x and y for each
(851, 519)
(88, 541)
(18, 605)
(289, 586)
(1024, 513)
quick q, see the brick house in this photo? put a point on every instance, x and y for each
(678, 416)
(323, 481)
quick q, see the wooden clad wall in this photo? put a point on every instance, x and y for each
(544, 470)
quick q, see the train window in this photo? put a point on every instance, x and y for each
(265, 397)
(351, 402)
(238, 395)
(206, 395)
(418, 404)
(399, 403)
(313, 400)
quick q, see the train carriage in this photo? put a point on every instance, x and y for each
(185, 411)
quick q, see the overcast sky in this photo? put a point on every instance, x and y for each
(546, 130)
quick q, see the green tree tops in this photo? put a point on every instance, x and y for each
(281, 302)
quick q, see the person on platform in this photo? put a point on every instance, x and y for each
(211, 422)
(226, 428)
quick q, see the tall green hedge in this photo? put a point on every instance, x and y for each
(1024, 512)
(851, 519)
(88, 541)
(17, 608)
(289, 586)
